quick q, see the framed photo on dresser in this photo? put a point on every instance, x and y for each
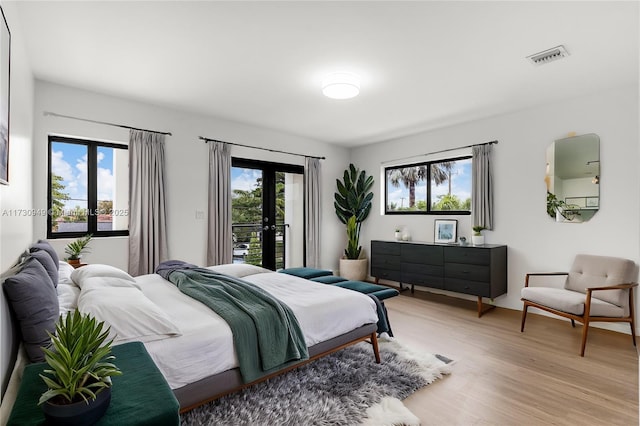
(446, 231)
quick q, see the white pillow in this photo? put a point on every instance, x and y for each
(238, 270)
(67, 298)
(101, 282)
(98, 270)
(129, 313)
(64, 273)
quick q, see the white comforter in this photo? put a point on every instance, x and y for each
(205, 346)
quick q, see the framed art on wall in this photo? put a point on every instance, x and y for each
(5, 56)
(446, 231)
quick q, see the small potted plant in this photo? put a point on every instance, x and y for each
(76, 248)
(398, 234)
(477, 239)
(79, 373)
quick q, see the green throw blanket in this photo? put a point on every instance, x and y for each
(266, 333)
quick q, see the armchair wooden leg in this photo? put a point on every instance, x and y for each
(524, 316)
(632, 315)
(585, 330)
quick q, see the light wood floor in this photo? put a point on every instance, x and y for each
(504, 377)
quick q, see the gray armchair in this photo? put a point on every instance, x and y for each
(596, 289)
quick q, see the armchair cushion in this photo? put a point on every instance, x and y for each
(597, 271)
(571, 302)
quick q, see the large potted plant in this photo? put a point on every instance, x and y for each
(76, 248)
(79, 373)
(353, 205)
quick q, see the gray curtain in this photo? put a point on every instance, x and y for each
(312, 212)
(147, 213)
(220, 238)
(482, 193)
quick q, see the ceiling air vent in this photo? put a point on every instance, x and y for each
(548, 55)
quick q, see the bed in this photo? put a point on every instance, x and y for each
(192, 345)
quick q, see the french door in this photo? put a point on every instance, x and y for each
(267, 213)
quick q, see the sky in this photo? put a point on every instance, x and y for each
(244, 179)
(461, 186)
(69, 161)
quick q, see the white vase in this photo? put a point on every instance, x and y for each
(477, 240)
(398, 235)
(353, 269)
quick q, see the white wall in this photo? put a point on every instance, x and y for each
(186, 165)
(535, 242)
(16, 229)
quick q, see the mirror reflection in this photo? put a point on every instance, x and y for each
(573, 178)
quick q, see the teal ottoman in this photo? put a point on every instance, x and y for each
(329, 279)
(307, 273)
(381, 292)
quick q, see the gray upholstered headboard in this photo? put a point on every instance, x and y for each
(9, 339)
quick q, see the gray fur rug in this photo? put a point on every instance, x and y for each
(334, 390)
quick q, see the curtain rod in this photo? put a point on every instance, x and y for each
(441, 151)
(105, 123)
(206, 140)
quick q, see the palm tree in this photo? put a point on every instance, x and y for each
(409, 176)
(441, 172)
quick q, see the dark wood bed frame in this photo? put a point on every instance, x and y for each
(218, 385)
(209, 388)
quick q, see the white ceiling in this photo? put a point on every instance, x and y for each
(423, 64)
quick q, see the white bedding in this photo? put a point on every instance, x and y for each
(205, 347)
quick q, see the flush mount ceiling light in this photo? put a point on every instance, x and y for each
(341, 85)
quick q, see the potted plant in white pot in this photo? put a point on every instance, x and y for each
(76, 248)
(79, 373)
(477, 239)
(353, 205)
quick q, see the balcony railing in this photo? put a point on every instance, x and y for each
(247, 243)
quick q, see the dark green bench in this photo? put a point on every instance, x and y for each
(326, 277)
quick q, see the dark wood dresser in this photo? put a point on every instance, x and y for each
(476, 270)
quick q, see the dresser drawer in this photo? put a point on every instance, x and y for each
(418, 253)
(418, 268)
(476, 256)
(386, 262)
(382, 248)
(433, 281)
(467, 287)
(467, 272)
(386, 274)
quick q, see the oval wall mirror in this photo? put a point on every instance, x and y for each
(573, 178)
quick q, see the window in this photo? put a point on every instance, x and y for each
(88, 188)
(435, 187)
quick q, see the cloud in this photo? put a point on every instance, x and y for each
(246, 181)
(60, 167)
(106, 184)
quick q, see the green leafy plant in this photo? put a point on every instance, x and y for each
(353, 239)
(478, 229)
(353, 199)
(79, 359)
(75, 248)
(555, 205)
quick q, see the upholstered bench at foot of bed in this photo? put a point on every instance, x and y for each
(329, 279)
(325, 276)
(308, 273)
(381, 292)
